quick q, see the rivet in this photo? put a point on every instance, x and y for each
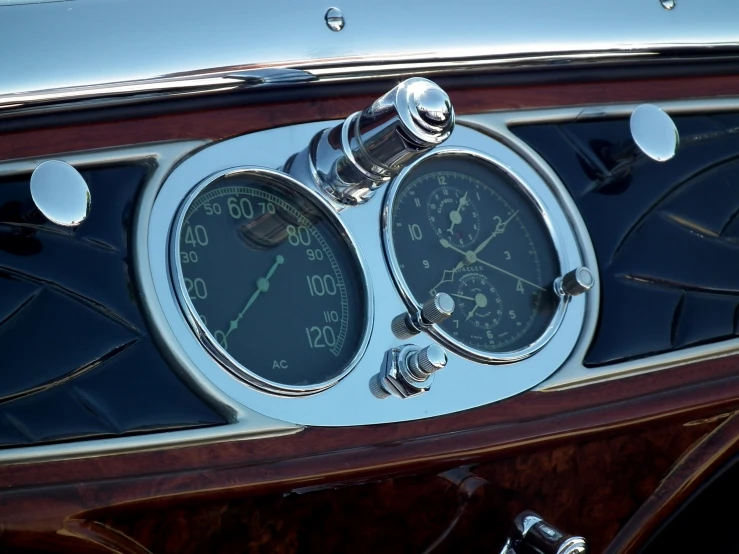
(335, 19)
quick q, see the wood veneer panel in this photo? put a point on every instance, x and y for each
(588, 487)
(698, 464)
(322, 458)
(222, 123)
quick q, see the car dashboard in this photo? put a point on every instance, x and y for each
(300, 278)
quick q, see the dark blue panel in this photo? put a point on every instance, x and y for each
(10, 435)
(666, 234)
(15, 294)
(168, 402)
(40, 331)
(626, 330)
(76, 358)
(703, 318)
(54, 414)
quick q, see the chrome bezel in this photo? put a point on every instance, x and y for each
(415, 305)
(350, 401)
(207, 340)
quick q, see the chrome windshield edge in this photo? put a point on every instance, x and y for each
(208, 82)
(84, 49)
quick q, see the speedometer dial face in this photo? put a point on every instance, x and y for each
(461, 225)
(270, 281)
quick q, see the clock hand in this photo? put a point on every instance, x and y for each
(499, 230)
(469, 315)
(455, 216)
(495, 267)
(480, 302)
(262, 286)
(471, 257)
(463, 297)
(444, 279)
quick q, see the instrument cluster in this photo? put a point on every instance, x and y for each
(388, 267)
(461, 224)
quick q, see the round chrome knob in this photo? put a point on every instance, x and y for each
(352, 160)
(60, 193)
(432, 109)
(434, 310)
(426, 361)
(403, 327)
(400, 126)
(654, 132)
(576, 282)
(437, 309)
(376, 388)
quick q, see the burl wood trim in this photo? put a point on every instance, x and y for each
(222, 123)
(698, 464)
(588, 487)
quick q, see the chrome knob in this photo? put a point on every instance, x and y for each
(408, 371)
(437, 309)
(433, 110)
(434, 310)
(532, 535)
(403, 326)
(60, 193)
(376, 387)
(426, 361)
(654, 132)
(575, 282)
(352, 160)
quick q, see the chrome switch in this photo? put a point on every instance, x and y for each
(532, 535)
(352, 160)
(434, 310)
(408, 371)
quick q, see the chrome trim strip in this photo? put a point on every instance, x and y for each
(573, 373)
(120, 51)
(243, 422)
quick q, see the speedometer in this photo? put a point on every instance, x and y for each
(269, 281)
(461, 224)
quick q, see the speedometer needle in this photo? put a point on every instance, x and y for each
(471, 257)
(262, 286)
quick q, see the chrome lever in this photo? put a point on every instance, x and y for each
(532, 535)
(353, 159)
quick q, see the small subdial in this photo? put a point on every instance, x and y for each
(478, 303)
(453, 216)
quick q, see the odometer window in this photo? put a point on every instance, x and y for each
(270, 281)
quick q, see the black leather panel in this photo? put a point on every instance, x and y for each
(666, 234)
(76, 358)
